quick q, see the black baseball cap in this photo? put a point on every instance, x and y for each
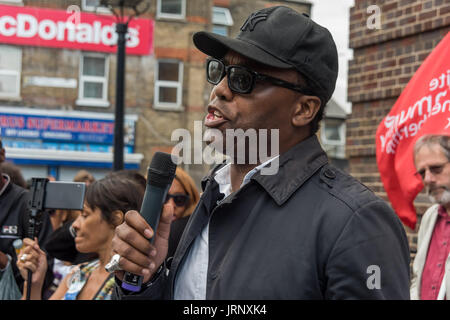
(283, 38)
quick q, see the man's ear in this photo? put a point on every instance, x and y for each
(117, 218)
(305, 110)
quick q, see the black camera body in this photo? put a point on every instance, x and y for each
(49, 195)
(64, 195)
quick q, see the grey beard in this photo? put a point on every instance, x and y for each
(445, 198)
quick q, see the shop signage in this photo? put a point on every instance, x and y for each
(57, 28)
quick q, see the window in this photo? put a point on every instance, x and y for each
(168, 84)
(93, 84)
(175, 9)
(10, 70)
(333, 131)
(11, 2)
(221, 19)
(333, 137)
(93, 5)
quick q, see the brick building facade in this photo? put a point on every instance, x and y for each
(384, 61)
(165, 89)
(173, 70)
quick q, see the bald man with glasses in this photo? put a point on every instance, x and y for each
(431, 268)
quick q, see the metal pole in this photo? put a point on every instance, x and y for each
(118, 164)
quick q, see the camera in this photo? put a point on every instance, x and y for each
(64, 195)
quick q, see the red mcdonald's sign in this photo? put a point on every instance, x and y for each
(72, 30)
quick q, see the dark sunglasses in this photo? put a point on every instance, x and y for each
(180, 200)
(242, 79)
(435, 170)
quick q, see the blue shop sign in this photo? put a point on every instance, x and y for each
(64, 129)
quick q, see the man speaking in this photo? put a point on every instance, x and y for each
(309, 231)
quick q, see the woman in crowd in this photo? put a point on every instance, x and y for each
(183, 196)
(61, 245)
(106, 202)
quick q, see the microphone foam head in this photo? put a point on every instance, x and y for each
(161, 170)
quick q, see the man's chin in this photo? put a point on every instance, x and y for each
(440, 197)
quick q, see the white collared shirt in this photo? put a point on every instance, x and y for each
(190, 281)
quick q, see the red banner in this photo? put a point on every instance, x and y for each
(422, 108)
(72, 30)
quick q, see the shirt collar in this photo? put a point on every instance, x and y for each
(223, 176)
(296, 165)
(442, 212)
(223, 179)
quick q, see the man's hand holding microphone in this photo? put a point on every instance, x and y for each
(131, 241)
(141, 243)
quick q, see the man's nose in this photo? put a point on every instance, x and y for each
(429, 177)
(222, 90)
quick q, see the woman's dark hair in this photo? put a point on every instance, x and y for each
(14, 173)
(130, 174)
(114, 192)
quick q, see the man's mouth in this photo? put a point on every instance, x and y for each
(433, 190)
(214, 118)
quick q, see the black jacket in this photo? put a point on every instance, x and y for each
(308, 232)
(14, 225)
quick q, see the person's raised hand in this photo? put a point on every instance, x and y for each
(131, 242)
(32, 258)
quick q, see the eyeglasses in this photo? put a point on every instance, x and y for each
(435, 170)
(180, 200)
(241, 79)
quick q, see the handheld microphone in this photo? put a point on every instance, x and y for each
(159, 179)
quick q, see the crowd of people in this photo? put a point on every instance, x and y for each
(309, 231)
(68, 258)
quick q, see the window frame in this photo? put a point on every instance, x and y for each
(157, 104)
(224, 26)
(227, 13)
(163, 15)
(93, 102)
(17, 72)
(99, 9)
(19, 2)
(341, 131)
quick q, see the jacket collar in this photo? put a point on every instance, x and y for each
(296, 166)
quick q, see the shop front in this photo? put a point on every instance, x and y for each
(59, 143)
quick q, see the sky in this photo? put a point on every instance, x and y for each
(334, 15)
